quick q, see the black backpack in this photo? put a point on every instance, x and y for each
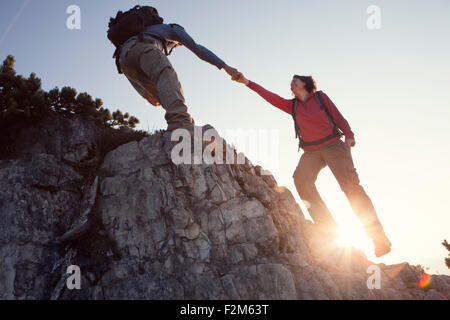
(131, 23)
(336, 130)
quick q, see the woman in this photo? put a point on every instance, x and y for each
(325, 148)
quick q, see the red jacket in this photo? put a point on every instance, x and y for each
(313, 121)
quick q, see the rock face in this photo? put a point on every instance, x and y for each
(141, 227)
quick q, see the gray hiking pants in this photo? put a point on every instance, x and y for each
(339, 160)
(152, 74)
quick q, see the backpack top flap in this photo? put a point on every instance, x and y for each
(131, 23)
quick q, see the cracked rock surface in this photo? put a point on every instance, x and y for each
(150, 229)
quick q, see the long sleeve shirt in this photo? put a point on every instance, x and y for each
(312, 120)
(175, 34)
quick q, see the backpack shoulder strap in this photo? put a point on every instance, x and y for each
(294, 116)
(323, 106)
(294, 105)
(318, 96)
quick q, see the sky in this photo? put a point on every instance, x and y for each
(390, 83)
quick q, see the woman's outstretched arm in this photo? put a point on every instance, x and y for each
(272, 98)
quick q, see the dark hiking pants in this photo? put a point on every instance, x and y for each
(339, 160)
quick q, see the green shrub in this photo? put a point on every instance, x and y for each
(23, 104)
(23, 98)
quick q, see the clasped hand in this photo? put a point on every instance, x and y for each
(235, 74)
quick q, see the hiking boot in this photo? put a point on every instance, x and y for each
(382, 245)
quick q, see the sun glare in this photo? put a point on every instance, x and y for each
(352, 235)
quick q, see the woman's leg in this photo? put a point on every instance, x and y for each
(340, 162)
(305, 176)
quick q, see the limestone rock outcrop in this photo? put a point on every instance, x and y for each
(141, 227)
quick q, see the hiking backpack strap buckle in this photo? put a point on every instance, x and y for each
(297, 129)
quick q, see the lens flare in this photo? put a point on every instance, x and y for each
(307, 204)
(425, 281)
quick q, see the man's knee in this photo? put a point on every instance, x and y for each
(166, 74)
(169, 87)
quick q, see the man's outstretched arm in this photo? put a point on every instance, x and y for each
(180, 35)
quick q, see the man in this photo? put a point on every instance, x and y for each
(314, 125)
(143, 60)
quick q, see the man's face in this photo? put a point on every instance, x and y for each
(296, 85)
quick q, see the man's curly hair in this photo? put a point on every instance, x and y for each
(310, 83)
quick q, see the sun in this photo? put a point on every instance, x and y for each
(351, 234)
